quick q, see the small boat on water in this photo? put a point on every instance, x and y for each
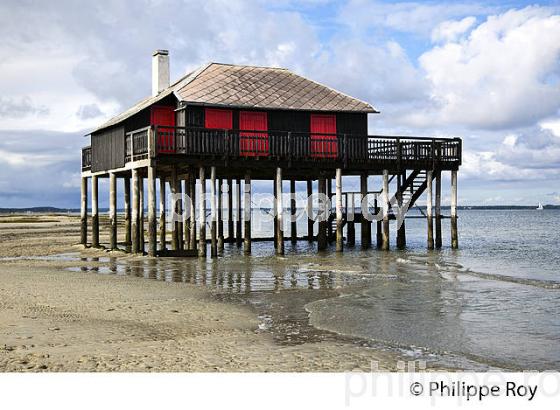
(540, 207)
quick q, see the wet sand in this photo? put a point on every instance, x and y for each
(54, 319)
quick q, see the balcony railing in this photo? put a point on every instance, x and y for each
(347, 149)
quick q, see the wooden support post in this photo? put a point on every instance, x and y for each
(366, 225)
(429, 208)
(180, 224)
(247, 213)
(202, 212)
(438, 209)
(310, 210)
(141, 214)
(231, 235)
(162, 221)
(192, 204)
(135, 212)
(279, 214)
(385, 237)
(379, 227)
(350, 215)
(401, 231)
(293, 222)
(174, 210)
(83, 212)
(323, 215)
(238, 238)
(152, 222)
(213, 214)
(94, 212)
(329, 208)
(454, 234)
(275, 211)
(186, 213)
(339, 237)
(127, 218)
(113, 210)
(220, 216)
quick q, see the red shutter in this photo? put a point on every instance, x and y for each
(323, 136)
(217, 118)
(164, 117)
(253, 144)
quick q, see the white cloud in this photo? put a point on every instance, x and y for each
(452, 30)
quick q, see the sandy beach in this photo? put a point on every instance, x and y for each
(56, 319)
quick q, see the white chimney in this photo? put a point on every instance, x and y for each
(160, 71)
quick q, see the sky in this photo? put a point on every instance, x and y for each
(488, 72)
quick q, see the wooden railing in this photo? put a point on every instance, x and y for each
(294, 146)
(86, 158)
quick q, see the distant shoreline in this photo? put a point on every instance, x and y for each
(50, 209)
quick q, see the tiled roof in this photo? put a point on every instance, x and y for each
(251, 87)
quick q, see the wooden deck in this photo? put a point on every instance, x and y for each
(267, 150)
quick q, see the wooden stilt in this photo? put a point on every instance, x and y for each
(401, 231)
(454, 234)
(329, 208)
(94, 212)
(113, 210)
(213, 214)
(202, 216)
(192, 204)
(339, 236)
(385, 237)
(350, 215)
(174, 210)
(186, 213)
(310, 210)
(323, 215)
(238, 237)
(366, 230)
(127, 218)
(438, 209)
(135, 212)
(429, 208)
(378, 225)
(293, 222)
(220, 216)
(247, 213)
(152, 222)
(141, 230)
(230, 210)
(83, 212)
(279, 214)
(275, 212)
(180, 224)
(162, 221)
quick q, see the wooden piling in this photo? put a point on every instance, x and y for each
(279, 214)
(94, 212)
(202, 212)
(238, 237)
(339, 236)
(113, 210)
(275, 211)
(180, 224)
(152, 222)
(350, 215)
(429, 209)
(174, 210)
(293, 222)
(83, 212)
(454, 233)
(378, 224)
(247, 213)
(438, 209)
(162, 221)
(127, 218)
(135, 212)
(323, 216)
(401, 231)
(230, 211)
(366, 225)
(141, 206)
(192, 204)
(220, 216)
(213, 215)
(310, 210)
(186, 213)
(329, 208)
(385, 235)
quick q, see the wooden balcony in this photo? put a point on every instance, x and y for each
(360, 152)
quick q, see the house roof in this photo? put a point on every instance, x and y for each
(251, 87)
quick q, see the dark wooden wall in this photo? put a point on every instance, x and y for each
(107, 149)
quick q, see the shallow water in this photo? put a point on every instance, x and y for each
(495, 302)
